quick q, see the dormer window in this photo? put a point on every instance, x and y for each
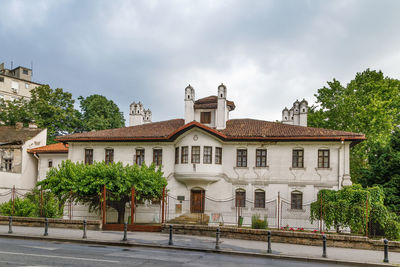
(205, 117)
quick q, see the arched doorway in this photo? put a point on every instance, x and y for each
(197, 197)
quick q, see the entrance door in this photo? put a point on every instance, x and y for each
(197, 197)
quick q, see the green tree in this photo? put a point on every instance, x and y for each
(54, 109)
(368, 104)
(384, 170)
(33, 204)
(348, 208)
(84, 183)
(14, 111)
(99, 113)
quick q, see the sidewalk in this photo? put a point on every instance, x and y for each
(204, 243)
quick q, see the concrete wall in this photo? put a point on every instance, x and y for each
(24, 88)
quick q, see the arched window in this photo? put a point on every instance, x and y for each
(296, 200)
(240, 200)
(259, 199)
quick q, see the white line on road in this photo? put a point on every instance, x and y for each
(46, 248)
(54, 256)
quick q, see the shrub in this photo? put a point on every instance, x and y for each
(257, 223)
(29, 206)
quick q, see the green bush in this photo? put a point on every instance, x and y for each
(257, 223)
(392, 227)
(30, 206)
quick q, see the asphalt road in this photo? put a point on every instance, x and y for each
(14, 252)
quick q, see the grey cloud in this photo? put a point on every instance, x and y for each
(268, 53)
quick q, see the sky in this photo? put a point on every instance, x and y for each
(267, 53)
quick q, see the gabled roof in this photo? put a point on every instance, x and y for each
(211, 102)
(53, 148)
(12, 134)
(236, 130)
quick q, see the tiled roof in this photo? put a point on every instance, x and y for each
(53, 148)
(10, 134)
(237, 129)
(155, 130)
(210, 102)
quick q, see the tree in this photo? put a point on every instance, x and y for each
(99, 113)
(48, 108)
(34, 204)
(369, 104)
(384, 170)
(84, 183)
(14, 111)
(54, 109)
(348, 208)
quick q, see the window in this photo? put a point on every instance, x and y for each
(184, 154)
(139, 156)
(259, 199)
(157, 156)
(195, 154)
(2, 79)
(261, 158)
(26, 85)
(207, 155)
(8, 165)
(323, 158)
(50, 163)
(14, 86)
(218, 155)
(205, 117)
(88, 156)
(109, 156)
(298, 158)
(296, 200)
(176, 155)
(25, 71)
(241, 158)
(240, 200)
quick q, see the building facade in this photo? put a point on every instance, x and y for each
(17, 166)
(227, 168)
(16, 83)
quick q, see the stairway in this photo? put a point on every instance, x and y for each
(191, 218)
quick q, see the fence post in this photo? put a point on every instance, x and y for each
(70, 205)
(366, 217)
(385, 250)
(132, 204)
(41, 202)
(162, 203)
(104, 206)
(324, 246)
(269, 250)
(320, 213)
(125, 238)
(13, 200)
(217, 238)
(278, 206)
(46, 227)
(170, 242)
(10, 225)
(84, 229)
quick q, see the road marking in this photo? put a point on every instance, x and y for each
(46, 248)
(54, 256)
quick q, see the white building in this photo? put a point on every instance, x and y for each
(228, 167)
(16, 83)
(17, 166)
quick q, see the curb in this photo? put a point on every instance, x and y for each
(206, 250)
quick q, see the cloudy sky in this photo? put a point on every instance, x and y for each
(268, 53)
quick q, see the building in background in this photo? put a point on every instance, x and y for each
(16, 83)
(18, 168)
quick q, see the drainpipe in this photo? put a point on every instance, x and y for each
(38, 165)
(339, 162)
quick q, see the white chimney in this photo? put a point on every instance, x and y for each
(222, 112)
(189, 104)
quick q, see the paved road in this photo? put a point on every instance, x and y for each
(14, 252)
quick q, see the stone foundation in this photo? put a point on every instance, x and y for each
(291, 237)
(56, 223)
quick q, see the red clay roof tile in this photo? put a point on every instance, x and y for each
(210, 102)
(53, 148)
